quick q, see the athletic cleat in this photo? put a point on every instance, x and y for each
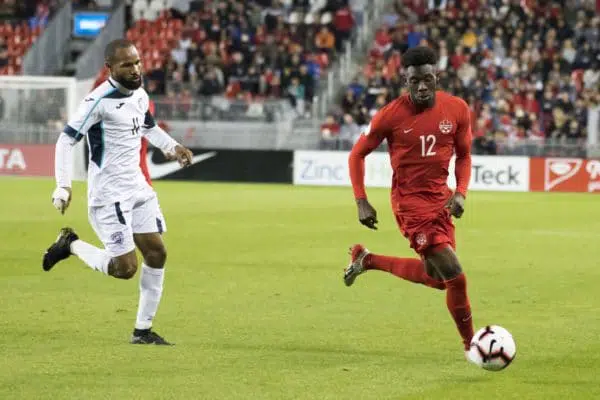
(147, 336)
(471, 358)
(60, 249)
(356, 267)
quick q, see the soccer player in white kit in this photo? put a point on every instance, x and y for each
(123, 208)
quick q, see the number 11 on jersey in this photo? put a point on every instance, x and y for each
(427, 144)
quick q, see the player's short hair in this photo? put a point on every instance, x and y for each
(417, 56)
(112, 47)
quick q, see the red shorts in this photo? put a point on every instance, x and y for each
(427, 232)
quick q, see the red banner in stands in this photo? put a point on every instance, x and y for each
(564, 175)
(27, 160)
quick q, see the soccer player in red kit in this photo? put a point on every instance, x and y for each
(423, 129)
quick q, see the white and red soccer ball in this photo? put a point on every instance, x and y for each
(492, 348)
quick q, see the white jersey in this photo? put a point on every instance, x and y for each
(114, 120)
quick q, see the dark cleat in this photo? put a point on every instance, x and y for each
(147, 336)
(60, 249)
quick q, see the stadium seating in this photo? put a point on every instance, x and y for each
(239, 49)
(19, 28)
(526, 84)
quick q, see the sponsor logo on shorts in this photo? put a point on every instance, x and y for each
(117, 238)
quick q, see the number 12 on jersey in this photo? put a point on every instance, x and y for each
(427, 144)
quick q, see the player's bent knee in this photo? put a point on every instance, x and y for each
(431, 271)
(445, 262)
(125, 271)
(125, 266)
(451, 270)
(156, 258)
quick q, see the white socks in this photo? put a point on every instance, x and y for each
(151, 280)
(151, 287)
(94, 257)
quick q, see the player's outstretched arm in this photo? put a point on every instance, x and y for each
(63, 171)
(368, 141)
(462, 149)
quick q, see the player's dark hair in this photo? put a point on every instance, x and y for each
(417, 56)
(112, 47)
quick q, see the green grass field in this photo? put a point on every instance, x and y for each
(255, 301)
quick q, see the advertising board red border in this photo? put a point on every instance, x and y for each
(27, 160)
(564, 175)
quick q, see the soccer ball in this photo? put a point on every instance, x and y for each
(492, 348)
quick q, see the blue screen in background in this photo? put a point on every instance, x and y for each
(88, 24)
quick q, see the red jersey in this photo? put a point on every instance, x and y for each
(421, 145)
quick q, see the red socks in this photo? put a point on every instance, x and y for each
(411, 269)
(457, 301)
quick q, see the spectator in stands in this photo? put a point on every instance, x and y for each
(357, 87)
(271, 15)
(8, 9)
(559, 124)
(575, 131)
(308, 83)
(330, 131)
(3, 53)
(325, 41)
(343, 22)
(349, 102)
(296, 95)
(41, 17)
(349, 132)
(210, 85)
(591, 77)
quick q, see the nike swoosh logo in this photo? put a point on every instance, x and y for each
(160, 170)
(407, 130)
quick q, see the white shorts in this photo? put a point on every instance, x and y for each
(116, 223)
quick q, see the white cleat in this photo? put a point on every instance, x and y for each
(472, 358)
(358, 253)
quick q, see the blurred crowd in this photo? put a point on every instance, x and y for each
(21, 22)
(35, 11)
(528, 69)
(250, 50)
